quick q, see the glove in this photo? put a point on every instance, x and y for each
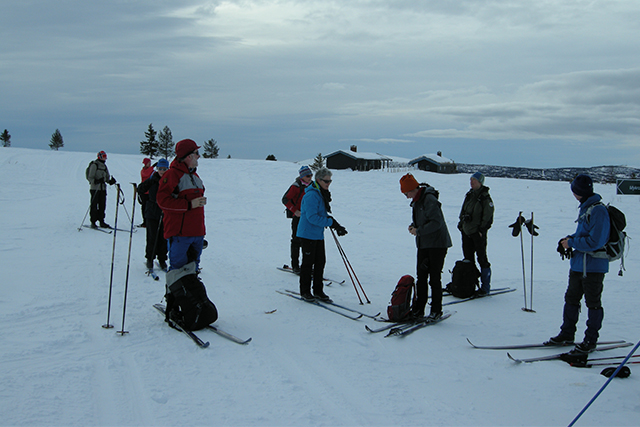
(112, 181)
(564, 253)
(624, 372)
(517, 226)
(531, 227)
(339, 229)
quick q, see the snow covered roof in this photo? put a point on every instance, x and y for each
(433, 157)
(360, 155)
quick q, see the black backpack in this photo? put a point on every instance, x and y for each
(187, 301)
(613, 250)
(464, 279)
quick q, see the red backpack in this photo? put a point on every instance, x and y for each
(400, 307)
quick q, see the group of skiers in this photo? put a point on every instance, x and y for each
(175, 223)
(307, 203)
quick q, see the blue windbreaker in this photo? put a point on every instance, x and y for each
(591, 234)
(313, 215)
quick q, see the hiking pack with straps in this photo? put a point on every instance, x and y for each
(285, 200)
(464, 279)
(400, 307)
(86, 172)
(613, 250)
(187, 301)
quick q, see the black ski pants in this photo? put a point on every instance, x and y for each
(312, 268)
(475, 244)
(98, 205)
(430, 265)
(156, 243)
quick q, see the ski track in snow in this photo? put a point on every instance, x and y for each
(305, 366)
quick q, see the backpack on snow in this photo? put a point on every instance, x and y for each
(400, 307)
(464, 279)
(613, 250)
(187, 301)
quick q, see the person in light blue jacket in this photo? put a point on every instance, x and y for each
(586, 273)
(314, 217)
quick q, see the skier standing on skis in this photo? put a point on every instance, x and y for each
(476, 217)
(586, 273)
(314, 218)
(432, 240)
(293, 200)
(98, 177)
(156, 243)
(181, 198)
(145, 174)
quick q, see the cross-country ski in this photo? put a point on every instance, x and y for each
(559, 355)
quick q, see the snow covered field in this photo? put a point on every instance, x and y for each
(305, 366)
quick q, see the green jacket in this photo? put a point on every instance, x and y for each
(476, 214)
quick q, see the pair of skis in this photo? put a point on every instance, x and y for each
(602, 346)
(342, 310)
(490, 294)
(199, 342)
(327, 281)
(405, 328)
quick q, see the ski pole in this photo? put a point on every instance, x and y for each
(605, 385)
(524, 280)
(346, 262)
(88, 209)
(126, 282)
(531, 280)
(113, 252)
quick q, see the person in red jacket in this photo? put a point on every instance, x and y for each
(293, 200)
(181, 198)
(145, 173)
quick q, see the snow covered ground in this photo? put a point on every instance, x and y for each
(305, 366)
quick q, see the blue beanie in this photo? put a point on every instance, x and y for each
(305, 171)
(582, 185)
(163, 163)
(478, 176)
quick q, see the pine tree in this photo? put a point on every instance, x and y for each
(56, 141)
(271, 157)
(318, 162)
(150, 146)
(5, 138)
(211, 150)
(165, 143)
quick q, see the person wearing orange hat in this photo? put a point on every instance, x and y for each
(98, 176)
(432, 240)
(181, 198)
(145, 173)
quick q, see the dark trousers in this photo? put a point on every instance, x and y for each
(98, 205)
(589, 286)
(430, 265)
(475, 245)
(295, 243)
(312, 268)
(156, 243)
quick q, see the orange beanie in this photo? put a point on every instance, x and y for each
(408, 183)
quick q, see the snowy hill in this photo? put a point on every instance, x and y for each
(305, 366)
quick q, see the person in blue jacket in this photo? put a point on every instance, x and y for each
(586, 273)
(314, 217)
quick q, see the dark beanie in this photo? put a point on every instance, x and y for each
(582, 185)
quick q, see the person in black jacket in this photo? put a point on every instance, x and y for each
(156, 243)
(433, 241)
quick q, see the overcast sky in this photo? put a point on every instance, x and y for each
(515, 83)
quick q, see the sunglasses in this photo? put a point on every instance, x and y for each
(326, 181)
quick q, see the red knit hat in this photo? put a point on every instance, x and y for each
(146, 161)
(185, 147)
(408, 183)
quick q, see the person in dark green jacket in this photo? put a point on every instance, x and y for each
(476, 218)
